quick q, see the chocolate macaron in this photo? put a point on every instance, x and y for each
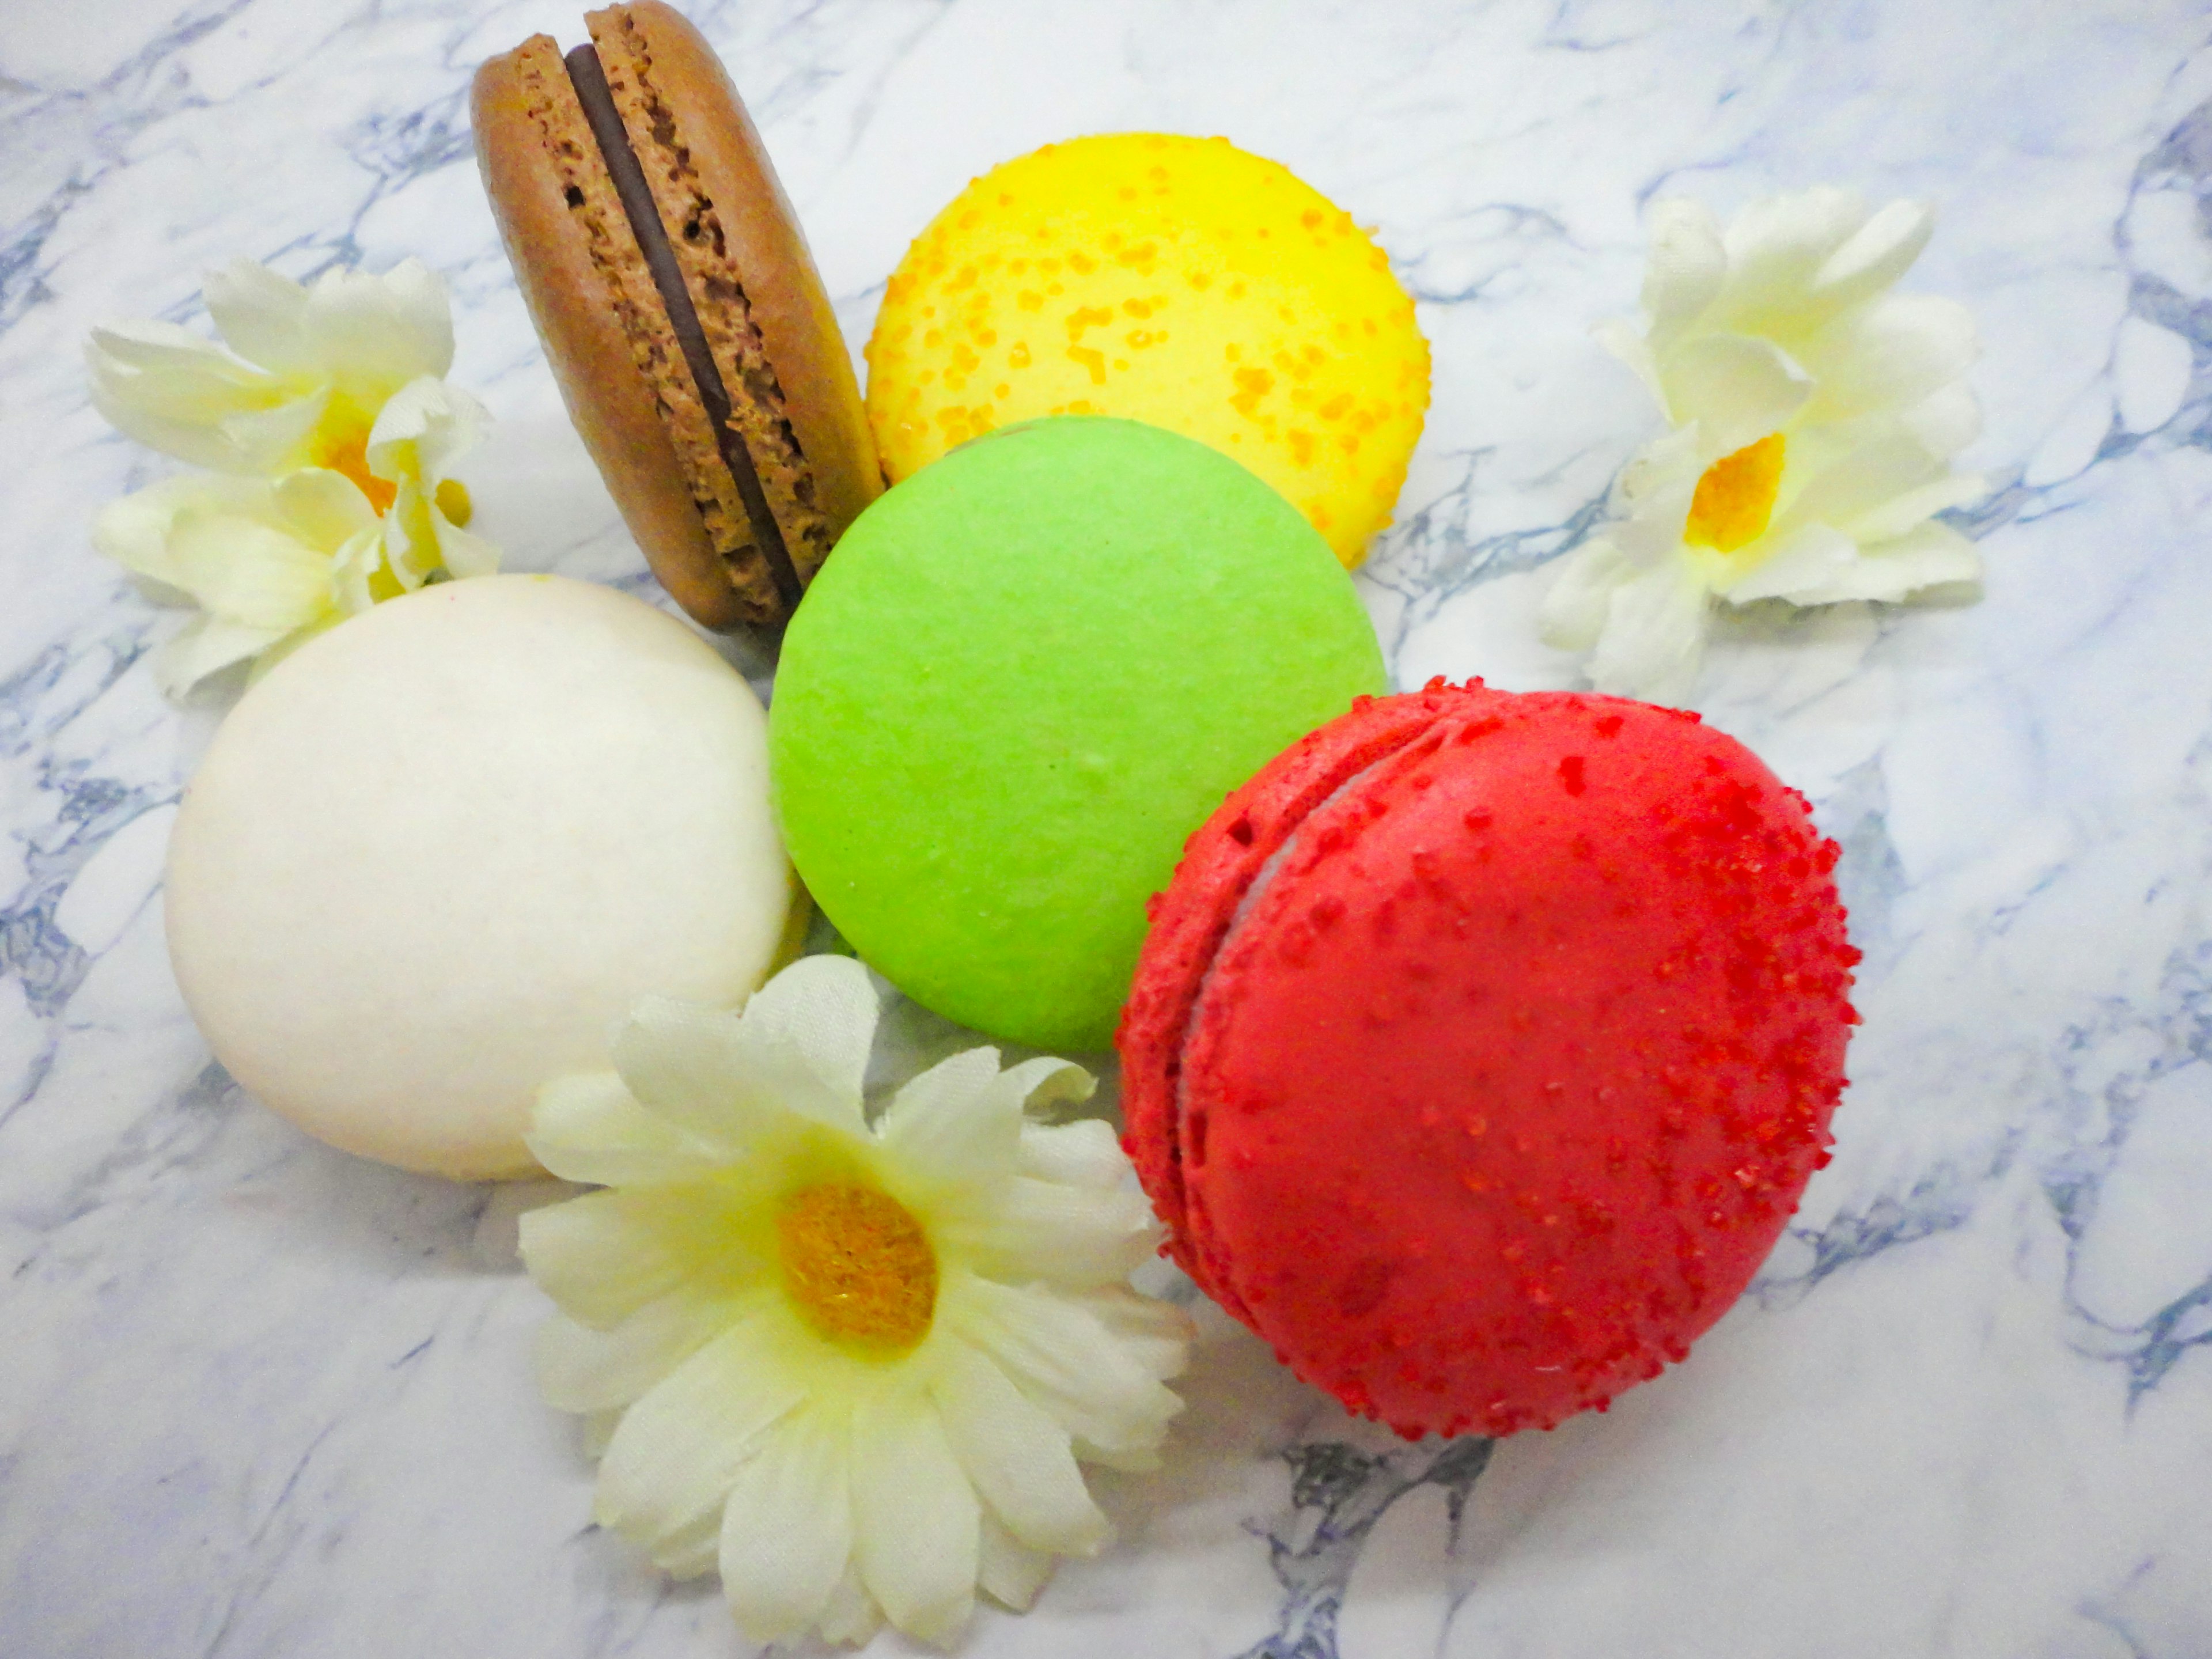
(686, 323)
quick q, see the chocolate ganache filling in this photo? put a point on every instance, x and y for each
(590, 81)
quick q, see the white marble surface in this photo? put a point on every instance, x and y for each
(257, 1398)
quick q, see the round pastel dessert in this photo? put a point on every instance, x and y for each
(1178, 281)
(1028, 674)
(432, 858)
(1483, 1045)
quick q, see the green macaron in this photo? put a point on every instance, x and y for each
(1027, 675)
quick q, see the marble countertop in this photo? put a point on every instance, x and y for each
(259, 1398)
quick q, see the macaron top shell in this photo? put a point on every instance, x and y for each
(1511, 1060)
(1174, 280)
(1029, 672)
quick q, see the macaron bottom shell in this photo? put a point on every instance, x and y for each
(1477, 1075)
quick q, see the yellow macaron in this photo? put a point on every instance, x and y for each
(1178, 280)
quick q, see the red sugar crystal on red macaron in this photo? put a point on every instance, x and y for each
(1483, 1045)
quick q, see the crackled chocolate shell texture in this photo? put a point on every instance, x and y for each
(686, 325)
(432, 859)
(1483, 1044)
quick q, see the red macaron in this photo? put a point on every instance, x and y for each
(1482, 1046)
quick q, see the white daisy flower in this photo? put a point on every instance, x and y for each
(1815, 414)
(856, 1365)
(335, 385)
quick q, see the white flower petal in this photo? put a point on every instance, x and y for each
(1625, 342)
(1737, 387)
(462, 552)
(1157, 1335)
(851, 1617)
(680, 1447)
(249, 572)
(409, 543)
(1061, 1354)
(260, 315)
(582, 1369)
(1018, 1457)
(1040, 1084)
(1651, 538)
(1081, 1154)
(205, 646)
(1008, 1570)
(380, 331)
(595, 1429)
(1687, 263)
(1805, 561)
(1669, 465)
(787, 1529)
(687, 1065)
(1875, 256)
(1931, 556)
(1654, 638)
(322, 508)
(353, 571)
(268, 441)
(588, 1126)
(1856, 481)
(805, 1035)
(692, 1550)
(179, 364)
(1945, 420)
(1574, 609)
(602, 1256)
(170, 390)
(134, 531)
(1890, 353)
(1777, 247)
(420, 540)
(949, 1128)
(1907, 512)
(423, 429)
(916, 1517)
(1052, 1234)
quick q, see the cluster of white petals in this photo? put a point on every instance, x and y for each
(1812, 415)
(326, 414)
(854, 1364)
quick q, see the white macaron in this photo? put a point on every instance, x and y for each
(435, 856)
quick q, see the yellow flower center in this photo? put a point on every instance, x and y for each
(347, 451)
(1735, 497)
(857, 1266)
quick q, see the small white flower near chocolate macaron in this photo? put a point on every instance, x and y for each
(332, 437)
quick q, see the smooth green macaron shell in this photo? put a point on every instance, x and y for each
(1027, 675)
